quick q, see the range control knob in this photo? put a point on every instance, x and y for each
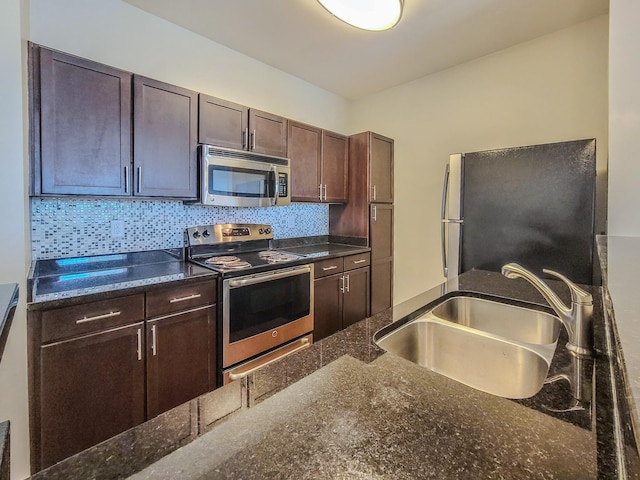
(267, 231)
(206, 233)
(261, 231)
(196, 234)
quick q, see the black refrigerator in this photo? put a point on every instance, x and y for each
(533, 205)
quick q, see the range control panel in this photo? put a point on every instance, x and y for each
(228, 232)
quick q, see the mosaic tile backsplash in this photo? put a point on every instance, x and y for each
(62, 227)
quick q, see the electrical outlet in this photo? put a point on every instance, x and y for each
(117, 228)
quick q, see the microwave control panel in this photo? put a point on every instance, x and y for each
(283, 185)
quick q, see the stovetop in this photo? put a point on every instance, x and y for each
(237, 249)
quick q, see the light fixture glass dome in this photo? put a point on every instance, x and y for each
(366, 14)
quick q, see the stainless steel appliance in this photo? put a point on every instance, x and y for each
(243, 179)
(265, 295)
(533, 205)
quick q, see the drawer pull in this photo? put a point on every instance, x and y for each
(358, 261)
(184, 299)
(139, 346)
(154, 340)
(332, 267)
(97, 317)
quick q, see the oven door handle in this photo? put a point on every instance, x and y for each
(250, 367)
(267, 277)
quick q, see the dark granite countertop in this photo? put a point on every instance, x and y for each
(327, 250)
(8, 302)
(51, 282)
(321, 414)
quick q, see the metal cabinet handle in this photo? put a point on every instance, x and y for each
(245, 138)
(374, 193)
(320, 194)
(348, 284)
(332, 267)
(358, 261)
(342, 284)
(139, 179)
(139, 347)
(325, 192)
(374, 213)
(253, 140)
(154, 345)
(184, 299)
(98, 317)
(126, 179)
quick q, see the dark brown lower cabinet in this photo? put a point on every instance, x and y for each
(355, 303)
(91, 388)
(327, 306)
(381, 285)
(179, 358)
(340, 300)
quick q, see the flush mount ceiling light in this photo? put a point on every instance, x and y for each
(366, 14)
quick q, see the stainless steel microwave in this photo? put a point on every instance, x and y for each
(235, 178)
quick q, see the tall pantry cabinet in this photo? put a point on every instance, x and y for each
(369, 213)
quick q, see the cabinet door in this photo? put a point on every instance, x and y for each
(84, 127)
(355, 304)
(304, 149)
(381, 231)
(91, 388)
(164, 139)
(381, 169)
(327, 306)
(381, 285)
(335, 167)
(222, 123)
(267, 133)
(381, 242)
(179, 358)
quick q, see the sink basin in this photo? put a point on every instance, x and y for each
(509, 321)
(497, 348)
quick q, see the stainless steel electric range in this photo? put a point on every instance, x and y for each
(265, 295)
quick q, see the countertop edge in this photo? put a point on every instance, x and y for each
(8, 302)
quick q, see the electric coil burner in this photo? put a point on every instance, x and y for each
(265, 296)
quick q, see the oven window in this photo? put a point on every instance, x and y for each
(238, 182)
(262, 307)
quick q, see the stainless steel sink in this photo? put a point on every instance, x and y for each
(509, 321)
(473, 341)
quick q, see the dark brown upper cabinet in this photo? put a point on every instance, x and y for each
(318, 164)
(80, 125)
(381, 169)
(82, 117)
(231, 125)
(164, 139)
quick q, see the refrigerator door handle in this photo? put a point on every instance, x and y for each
(443, 221)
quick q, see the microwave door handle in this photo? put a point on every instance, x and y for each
(276, 187)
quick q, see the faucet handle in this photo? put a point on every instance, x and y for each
(578, 295)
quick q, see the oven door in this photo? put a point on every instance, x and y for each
(264, 311)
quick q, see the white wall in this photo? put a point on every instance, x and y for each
(547, 90)
(121, 35)
(13, 227)
(624, 117)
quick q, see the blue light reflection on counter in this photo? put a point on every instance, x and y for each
(100, 273)
(63, 262)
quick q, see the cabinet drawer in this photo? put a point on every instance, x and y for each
(178, 298)
(357, 261)
(90, 317)
(328, 267)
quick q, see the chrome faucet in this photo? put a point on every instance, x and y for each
(577, 319)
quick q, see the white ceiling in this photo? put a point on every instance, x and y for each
(300, 37)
